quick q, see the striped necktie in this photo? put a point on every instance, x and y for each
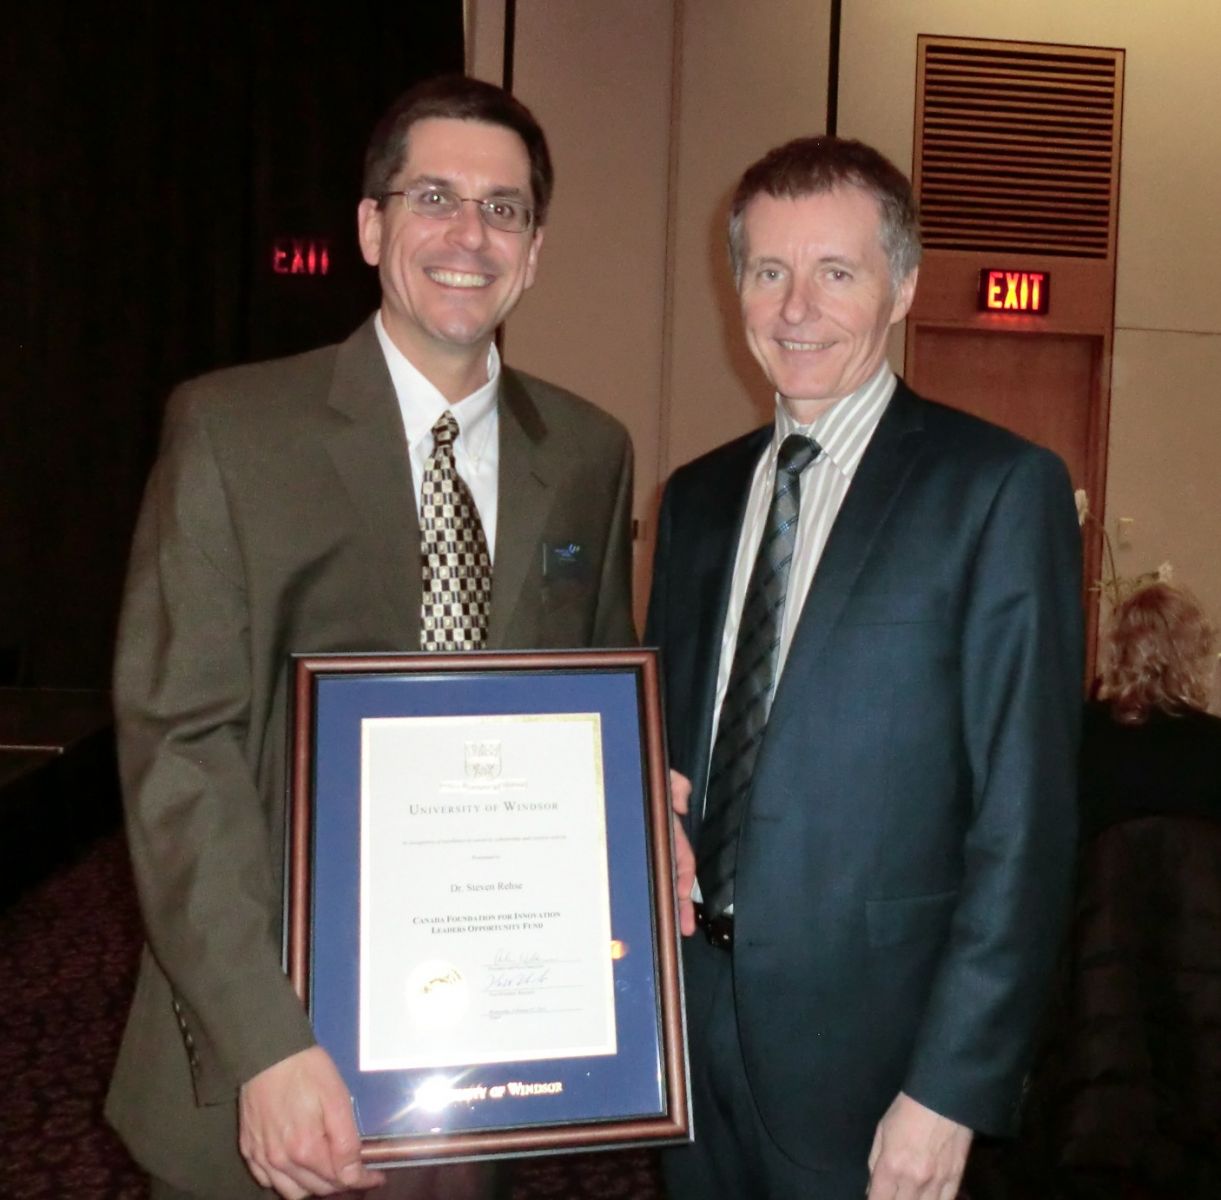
(752, 679)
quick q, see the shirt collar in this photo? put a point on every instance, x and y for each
(422, 404)
(843, 430)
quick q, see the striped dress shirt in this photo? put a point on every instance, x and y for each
(843, 432)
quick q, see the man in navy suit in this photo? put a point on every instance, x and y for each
(869, 613)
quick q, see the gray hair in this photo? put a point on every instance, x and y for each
(811, 165)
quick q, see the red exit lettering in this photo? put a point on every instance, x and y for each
(1014, 291)
(301, 256)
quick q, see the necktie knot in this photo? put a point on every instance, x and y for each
(796, 453)
(445, 430)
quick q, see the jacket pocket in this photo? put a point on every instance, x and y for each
(909, 919)
(895, 608)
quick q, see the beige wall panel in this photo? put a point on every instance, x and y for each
(1165, 457)
(753, 75)
(1169, 232)
(598, 77)
(1164, 466)
(483, 23)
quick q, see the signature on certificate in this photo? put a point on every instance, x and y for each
(518, 972)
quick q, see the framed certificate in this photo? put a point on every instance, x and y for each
(480, 911)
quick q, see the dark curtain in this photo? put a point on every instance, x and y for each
(155, 156)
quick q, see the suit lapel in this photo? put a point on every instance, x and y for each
(369, 451)
(524, 487)
(721, 515)
(873, 493)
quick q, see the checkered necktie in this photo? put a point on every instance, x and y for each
(752, 678)
(456, 597)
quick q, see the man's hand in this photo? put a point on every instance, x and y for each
(684, 856)
(296, 1131)
(917, 1154)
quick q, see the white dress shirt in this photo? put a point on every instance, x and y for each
(477, 446)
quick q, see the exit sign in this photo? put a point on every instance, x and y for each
(301, 256)
(1014, 291)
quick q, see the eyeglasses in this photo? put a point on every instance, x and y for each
(440, 204)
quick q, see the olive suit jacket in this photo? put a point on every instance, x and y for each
(280, 518)
(904, 861)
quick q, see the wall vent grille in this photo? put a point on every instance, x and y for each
(1017, 146)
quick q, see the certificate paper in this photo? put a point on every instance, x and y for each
(480, 911)
(485, 929)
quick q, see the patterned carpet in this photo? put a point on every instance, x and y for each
(67, 965)
(68, 951)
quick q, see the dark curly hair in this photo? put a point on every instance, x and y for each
(1159, 646)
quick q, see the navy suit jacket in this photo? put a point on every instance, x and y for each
(905, 860)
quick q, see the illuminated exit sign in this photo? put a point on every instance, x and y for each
(301, 256)
(1014, 291)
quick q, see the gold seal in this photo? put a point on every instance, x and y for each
(437, 995)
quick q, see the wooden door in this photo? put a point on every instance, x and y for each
(1047, 387)
(1042, 386)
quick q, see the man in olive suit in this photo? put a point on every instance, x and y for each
(285, 514)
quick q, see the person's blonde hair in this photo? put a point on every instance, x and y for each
(1158, 647)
